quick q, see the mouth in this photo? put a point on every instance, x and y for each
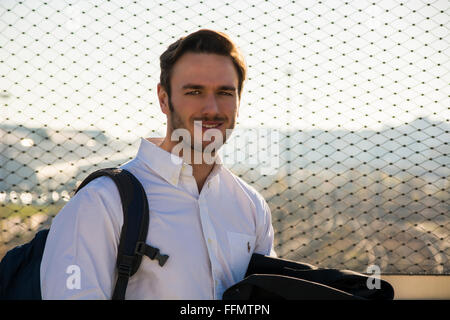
(209, 124)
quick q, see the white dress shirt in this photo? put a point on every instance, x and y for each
(209, 236)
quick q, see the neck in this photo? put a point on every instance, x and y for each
(200, 169)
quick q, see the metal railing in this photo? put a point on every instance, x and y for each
(346, 109)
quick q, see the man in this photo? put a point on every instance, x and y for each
(205, 218)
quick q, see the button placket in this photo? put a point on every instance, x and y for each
(211, 241)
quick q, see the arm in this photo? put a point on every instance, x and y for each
(82, 245)
(265, 233)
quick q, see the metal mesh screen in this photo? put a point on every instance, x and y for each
(346, 109)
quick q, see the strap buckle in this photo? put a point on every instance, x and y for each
(162, 258)
(153, 253)
(140, 248)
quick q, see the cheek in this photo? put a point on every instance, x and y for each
(186, 107)
(228, 106)
(181, 108)
(233, 112)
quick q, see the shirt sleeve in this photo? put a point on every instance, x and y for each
(81, 249)
(265, 232)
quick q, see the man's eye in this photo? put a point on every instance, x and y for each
(193, 92)
(226, 93)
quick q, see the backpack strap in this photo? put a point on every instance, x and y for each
(133, 235)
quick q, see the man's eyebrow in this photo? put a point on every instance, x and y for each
(192, 86)
(227, 88)
(198, 86)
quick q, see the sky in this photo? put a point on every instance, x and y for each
(312, 65)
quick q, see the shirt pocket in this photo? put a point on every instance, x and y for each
(241, 249)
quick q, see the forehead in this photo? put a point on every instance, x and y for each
(204, 69)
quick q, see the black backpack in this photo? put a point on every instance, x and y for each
(20, 267)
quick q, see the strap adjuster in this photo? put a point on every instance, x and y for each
(124, 270)
(125, 265)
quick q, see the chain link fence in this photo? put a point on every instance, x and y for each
(346, 109)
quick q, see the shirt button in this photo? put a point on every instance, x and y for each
(209, 240)
(209, 184)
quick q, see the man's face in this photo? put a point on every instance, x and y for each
(203, 88)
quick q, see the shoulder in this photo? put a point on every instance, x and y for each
(99, 198)
(103, 187)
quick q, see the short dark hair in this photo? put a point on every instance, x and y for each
(202, 41)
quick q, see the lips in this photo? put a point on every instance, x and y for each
(209, 124)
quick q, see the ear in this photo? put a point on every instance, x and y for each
(163, 99)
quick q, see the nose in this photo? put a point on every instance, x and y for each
(211, 107)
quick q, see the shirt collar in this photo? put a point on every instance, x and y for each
(167, 165)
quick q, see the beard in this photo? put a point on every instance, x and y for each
(197, 146)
